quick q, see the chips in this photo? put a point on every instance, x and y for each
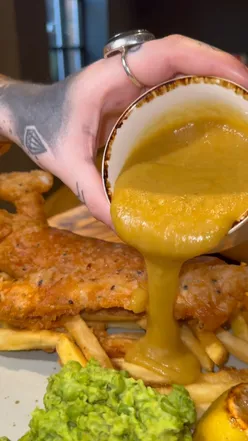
(228, 375)
(195, 346)
(15, 340)
(80, 341)
(207, 393)
(212, 345)
(68, 351)
(116, 345)
(240, 327)
(211, 385)
(87, 341)
(150, 378)
(235, 345)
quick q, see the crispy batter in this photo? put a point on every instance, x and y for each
(211, 293)
(56, 273)
(112, 315)
(116, 345)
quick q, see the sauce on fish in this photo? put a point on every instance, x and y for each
(178, 194)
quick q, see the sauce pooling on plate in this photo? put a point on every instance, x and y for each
(178, 194)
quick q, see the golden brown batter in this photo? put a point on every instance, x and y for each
(178, 194)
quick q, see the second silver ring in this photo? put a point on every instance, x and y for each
(127, 69)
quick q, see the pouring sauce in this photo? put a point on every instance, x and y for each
(178, 194)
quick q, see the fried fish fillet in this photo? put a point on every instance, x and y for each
(55, 273)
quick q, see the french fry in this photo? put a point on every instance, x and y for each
(132, 336)
(201, 409)
(68, 351)
(201, 406)
(236, 346)
(140, 373)
(203, 392)
(4, 325)
(212, 345)
(97, 325)
(116, 345)
(211, 385)
(227, 375)
(124, 325)
(86, 340)
(15, 340)
(194, 345)
(240, 327)
(206, 392)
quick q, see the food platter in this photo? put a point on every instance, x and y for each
(170, 314)
(23, 375)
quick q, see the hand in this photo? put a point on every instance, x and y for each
(61, 126)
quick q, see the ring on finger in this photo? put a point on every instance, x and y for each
(122, 43)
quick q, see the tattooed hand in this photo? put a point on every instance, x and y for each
(61, 126)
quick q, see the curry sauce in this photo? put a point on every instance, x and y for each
(179, 193)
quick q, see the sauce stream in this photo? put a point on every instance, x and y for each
(179, 193)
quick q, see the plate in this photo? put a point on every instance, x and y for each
(23, 375)
(23, 380)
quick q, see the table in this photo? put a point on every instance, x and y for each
(80, 221)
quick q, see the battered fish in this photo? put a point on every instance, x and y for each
(54, 273)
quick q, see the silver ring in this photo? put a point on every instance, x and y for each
(121, 43)
(127, 68)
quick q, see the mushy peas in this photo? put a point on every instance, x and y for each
(179, 193)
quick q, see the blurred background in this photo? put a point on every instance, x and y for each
(45, 40)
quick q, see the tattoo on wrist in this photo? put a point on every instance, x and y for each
(40, 114)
